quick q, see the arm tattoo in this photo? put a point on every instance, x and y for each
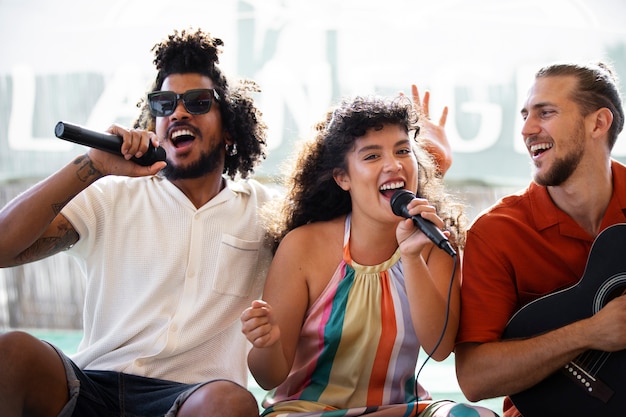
(86, 169)
(46, 246)
(57, 207)
(85, 173)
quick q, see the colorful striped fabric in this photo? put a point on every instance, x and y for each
(357, 351)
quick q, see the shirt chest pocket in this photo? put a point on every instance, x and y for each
(237, 266)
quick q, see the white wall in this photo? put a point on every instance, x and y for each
(89, 62)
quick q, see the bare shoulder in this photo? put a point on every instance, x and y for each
(318, 237)
(314, 251)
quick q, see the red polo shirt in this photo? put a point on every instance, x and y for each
(519, 250)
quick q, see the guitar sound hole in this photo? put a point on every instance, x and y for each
(612, 288)
(614, 294)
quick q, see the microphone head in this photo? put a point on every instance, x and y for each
(399, 201)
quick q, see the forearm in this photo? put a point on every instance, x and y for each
(436, 320)
(27, 217)
(502, 368)
(435, 304)
(268, 365)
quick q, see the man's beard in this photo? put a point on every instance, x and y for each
(563, 168)
(209, 162)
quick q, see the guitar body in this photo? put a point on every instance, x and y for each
(594, 384)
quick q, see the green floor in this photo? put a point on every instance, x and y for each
(438, 377)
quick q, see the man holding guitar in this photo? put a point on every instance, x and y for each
(533, 247)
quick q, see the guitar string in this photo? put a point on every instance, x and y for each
(592, 361)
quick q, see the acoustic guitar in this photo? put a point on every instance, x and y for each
(594, 383)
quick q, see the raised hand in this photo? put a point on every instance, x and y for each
(433, 134)
(134, 144)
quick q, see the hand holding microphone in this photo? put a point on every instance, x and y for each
(105, 142)
(399, 202)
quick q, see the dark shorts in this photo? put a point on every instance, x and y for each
(108, 394)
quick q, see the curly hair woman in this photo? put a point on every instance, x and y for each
(354, 291)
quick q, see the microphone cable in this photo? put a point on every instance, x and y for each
(445, 325)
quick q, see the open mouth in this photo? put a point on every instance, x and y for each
(391, 187)
(181, 138)
(539, 148)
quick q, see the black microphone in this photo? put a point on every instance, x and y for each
(105, 142)
(399, 202)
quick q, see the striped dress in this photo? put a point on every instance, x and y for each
(357, 350)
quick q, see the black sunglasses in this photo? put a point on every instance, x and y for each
(198, 101)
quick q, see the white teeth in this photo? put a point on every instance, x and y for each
(183, 132)
(392, 186)
(540, 147)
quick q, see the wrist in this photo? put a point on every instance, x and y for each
(86, 170)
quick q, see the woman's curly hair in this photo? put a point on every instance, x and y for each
(196, 51)
(312, 193)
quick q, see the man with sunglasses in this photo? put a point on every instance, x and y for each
(172, 254)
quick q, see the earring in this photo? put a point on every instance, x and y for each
(231, 150)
